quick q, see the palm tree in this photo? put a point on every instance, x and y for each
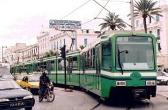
(113, 22)
(146, 8)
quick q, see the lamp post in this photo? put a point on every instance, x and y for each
(2, 52)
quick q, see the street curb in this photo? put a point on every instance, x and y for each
(163, 96)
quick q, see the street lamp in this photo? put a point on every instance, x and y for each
(2, 52)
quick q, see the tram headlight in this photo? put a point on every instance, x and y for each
(120, 83)
(150, 83)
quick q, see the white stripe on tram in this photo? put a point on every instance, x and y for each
(118, 74)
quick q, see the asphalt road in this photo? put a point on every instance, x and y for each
(78, 100)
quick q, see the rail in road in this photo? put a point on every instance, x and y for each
(78, 100)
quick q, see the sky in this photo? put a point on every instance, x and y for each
(22, 20)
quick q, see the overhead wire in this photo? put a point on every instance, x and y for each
(97, 14)
(76, 9)
(102, 8)
(109, 11)
(88, 21)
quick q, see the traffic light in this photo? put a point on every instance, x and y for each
(63, 54)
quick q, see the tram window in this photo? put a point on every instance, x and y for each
(82, 62)
(90, 59)
(52, 61)
(106, 56)
(72, 63)
(75, 64)
(49, 66)
(139, 56)
(52, 65)
(60, 64)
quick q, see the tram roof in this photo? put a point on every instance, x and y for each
(48, 58)
(30, 62)
(89, 46)
(72, 53)
(111, 34)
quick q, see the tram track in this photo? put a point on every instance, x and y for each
(96, 106)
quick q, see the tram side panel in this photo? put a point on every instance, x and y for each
(89, 79)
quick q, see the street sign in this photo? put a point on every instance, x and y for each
(65, 24)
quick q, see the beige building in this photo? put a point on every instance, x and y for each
(43, 40)
(13, 54)
(49, 40)
(21, 53)
(53, 40)
(74, 40)
(30, 53)
(159, 27)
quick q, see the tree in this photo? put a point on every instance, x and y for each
(82, 47)
(50, 53)
(47, 54)
(113, 22)
(146, 8)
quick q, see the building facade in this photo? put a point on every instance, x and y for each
(53, 40)
(74, 40)
(13, 54)
(50, 40)
(158, 26)
(21, 53)
(30, 53)
(44, 41)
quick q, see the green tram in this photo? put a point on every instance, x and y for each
(119, 63)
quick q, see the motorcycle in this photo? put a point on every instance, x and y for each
(48, 94)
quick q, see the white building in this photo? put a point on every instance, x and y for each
(43, 40)
(83, 36)
(12, 54)
(159, 27)
(52, 39)
(30, 53)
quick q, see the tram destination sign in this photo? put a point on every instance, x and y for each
(65, 24)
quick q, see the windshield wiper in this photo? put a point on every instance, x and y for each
(119, 61)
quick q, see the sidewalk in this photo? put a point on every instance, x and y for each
(162, 90)
(165, 94)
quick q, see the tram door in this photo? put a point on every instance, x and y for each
(98, 66)
(72, 71)
(69, 70)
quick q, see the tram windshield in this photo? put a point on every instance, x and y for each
(134, 53)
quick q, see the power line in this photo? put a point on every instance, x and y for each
(97, 14)
(120, 1)
(101, 5)
(88, 21)
(110, 11)
(76, 9)
(102, 8)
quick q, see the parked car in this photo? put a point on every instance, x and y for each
(24, 83)
(30, 82)
(5, 73)
(34, 82)
(162, 78)
(13, 96)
